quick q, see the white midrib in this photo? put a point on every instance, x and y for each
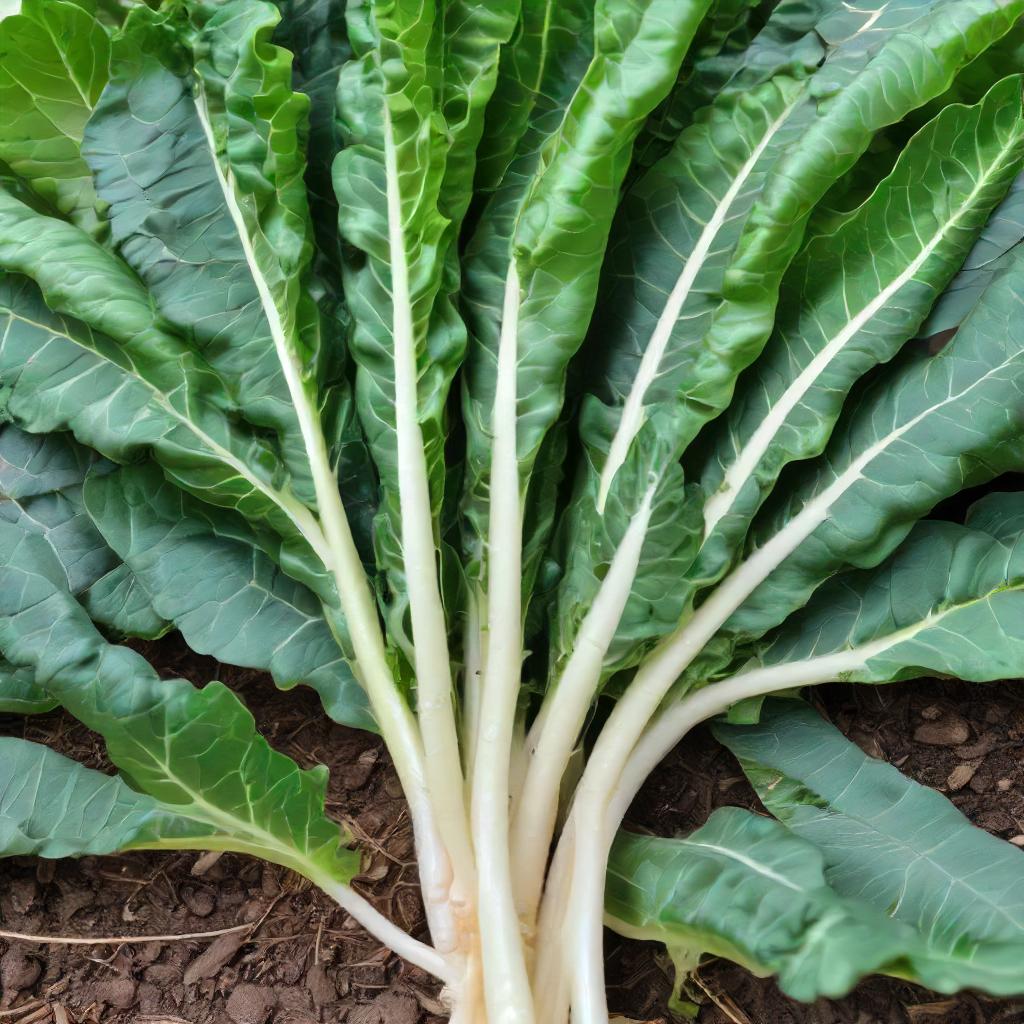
(343, 559)
(430, 633)
(508, 990)
(558, 727)
(632, 416)
(719, 504)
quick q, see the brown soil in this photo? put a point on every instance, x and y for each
(302, 961)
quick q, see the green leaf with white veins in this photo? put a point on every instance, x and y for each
(948, 601)
(549, 286)
(893, 843)
(926, 427)
(208, 573)
(53, 67)
(687, 307)
(851, 300)
(389, 180)
(220, 251)
(139, 391)
(51, 806)
(745, 888)
(41, 478)
(195, 750)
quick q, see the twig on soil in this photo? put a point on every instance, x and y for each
(723, 1002)
(119, 940)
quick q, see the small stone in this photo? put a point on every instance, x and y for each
(1003, 785)
(950, 731)
(23, 893)
(1017, 840)
(960, 776)
(17, 974)
(199, 901)
(250, 1004)
(118, 993)
(931, 713)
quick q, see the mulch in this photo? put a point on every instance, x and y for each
(301, 961)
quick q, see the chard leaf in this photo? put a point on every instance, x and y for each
(204, 210)
(925, 428)
(851, 300)
(687, 303)
(21, 695)
(53, 67)
(51, 806)
(546, 283)
(991, 252)
(892, 843)
(746, 888)
(207, 573)
(949, 601)
(196, 750)
(41, 480)
(388, 180)
(134, 392)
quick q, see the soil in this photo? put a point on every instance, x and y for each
(299, 960)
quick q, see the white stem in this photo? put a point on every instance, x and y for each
(342, 558)
(550, 975)
(435, 695)
(564, 713)
(389, 934)
(507, 988)
(632, 416)
(473, 681)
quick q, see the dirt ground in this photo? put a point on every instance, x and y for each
(298, 960)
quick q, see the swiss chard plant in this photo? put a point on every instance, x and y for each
(534, 380)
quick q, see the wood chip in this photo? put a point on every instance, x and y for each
(961, 775)
(214, 957)
(950, 731)
(1017, 840)
(206, 861)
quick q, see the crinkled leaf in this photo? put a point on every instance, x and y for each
(208, 573)
(196, 750)
(745, 888)
(893, 843)
(53, 67)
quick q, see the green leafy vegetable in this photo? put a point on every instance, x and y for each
(473, 363)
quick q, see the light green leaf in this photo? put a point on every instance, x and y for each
(41, 478)
(949, 601)
(208, 573)
(19, 693)
(745, 888)
(195, 750)
(51, 806)
(139, 391)
(928, 426)
(893, 843)
(53, 67)
(560, 230)
(854, 296)
(388, 181)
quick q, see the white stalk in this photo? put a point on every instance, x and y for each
(564, 714)
(650, 686)
(632, 417)
(551, 966)
(747, 461)
(474, 675)
(435, 695)
(389, 934)
(507, 988)
(343, 561)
